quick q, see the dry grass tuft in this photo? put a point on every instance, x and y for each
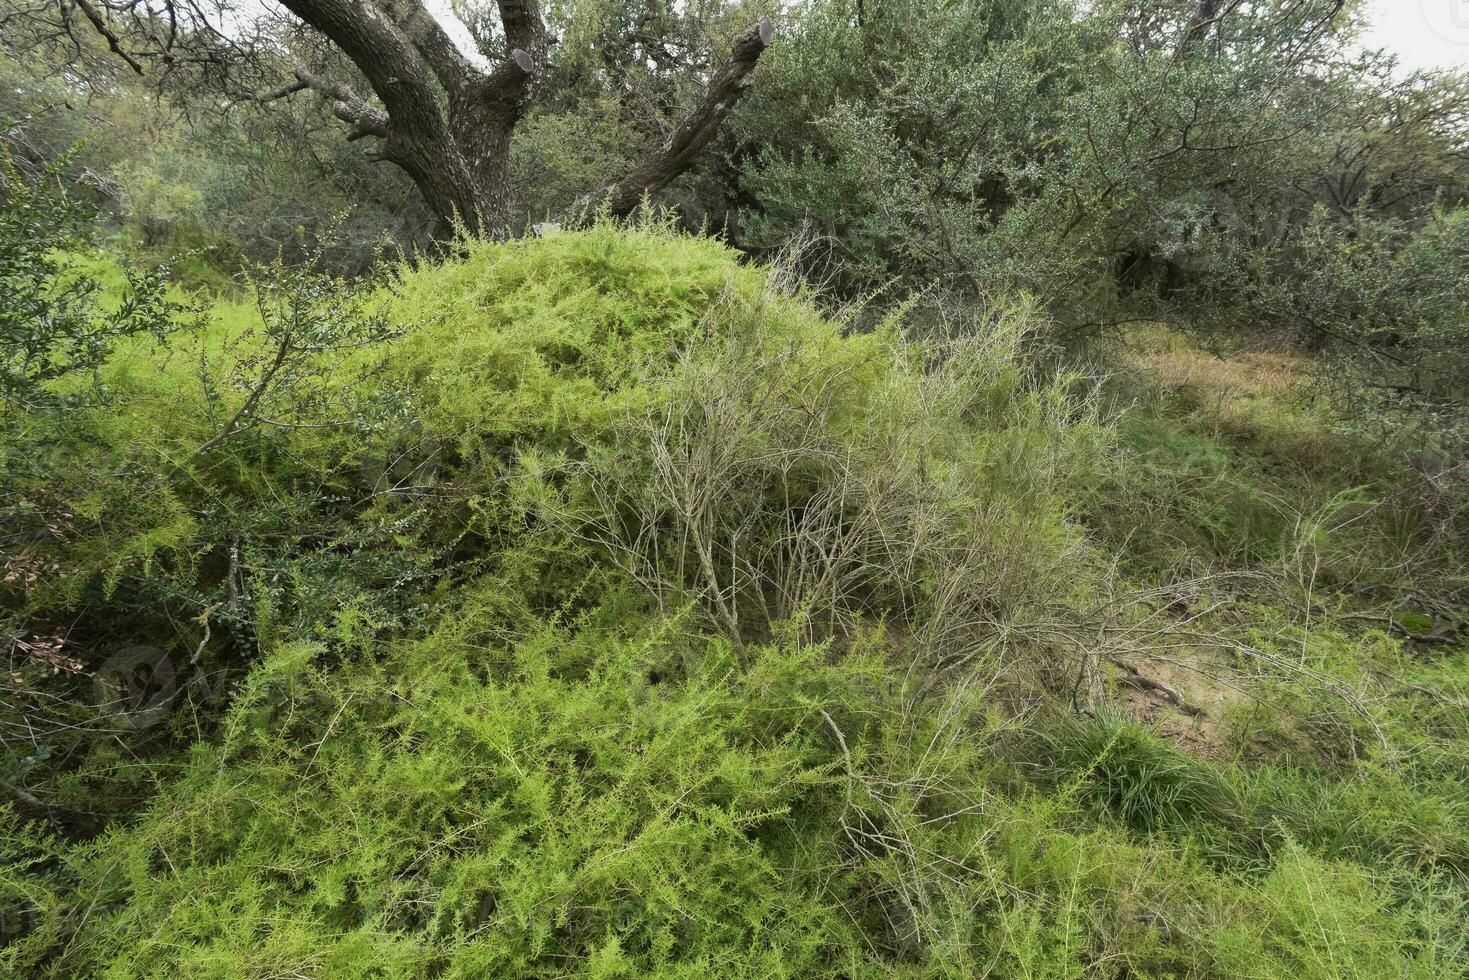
(1255, 375)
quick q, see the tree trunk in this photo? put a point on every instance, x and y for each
(446, 121)
(457, 149)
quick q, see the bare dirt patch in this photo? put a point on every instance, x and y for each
(1183, 696)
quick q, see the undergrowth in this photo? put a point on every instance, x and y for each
(595, 605)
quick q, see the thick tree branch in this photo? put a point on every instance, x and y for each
(385, 56)
(365, 120)
(453, 70)
(523, 24)
(346, 105)
(693, 133)
(507, 84)
(525, 36)
(285, 91)
(419, 135)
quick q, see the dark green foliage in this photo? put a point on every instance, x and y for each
(1056, 147)
(1268, 182)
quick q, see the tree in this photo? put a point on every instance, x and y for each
(1096, 155)
(442, 116)
(52, 326)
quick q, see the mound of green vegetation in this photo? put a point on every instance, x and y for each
(595, 605)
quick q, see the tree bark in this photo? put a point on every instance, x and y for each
(444, 120)
(457, 149)
(683, 146)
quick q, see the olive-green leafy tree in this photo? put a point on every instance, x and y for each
(1040, 145)
(1212, 164)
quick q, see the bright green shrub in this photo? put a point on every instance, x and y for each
(624, 615)
(1310, 918)
(506, 811)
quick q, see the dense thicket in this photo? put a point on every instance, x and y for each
(1004, 512)
(1261, 175)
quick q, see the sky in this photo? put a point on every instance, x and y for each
(1422, 33)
